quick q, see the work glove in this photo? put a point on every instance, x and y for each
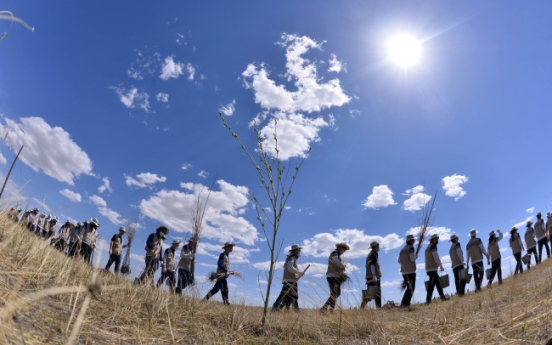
(375, 279)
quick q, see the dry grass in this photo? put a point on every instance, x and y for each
(43, 295)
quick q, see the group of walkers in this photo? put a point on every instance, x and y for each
(80, 241)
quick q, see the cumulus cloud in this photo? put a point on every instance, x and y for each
(162, 97)
(225, 210)
(239, 255)
(74, 197)
(523, 223)
(443, 232)
(228, 109)
(48, 149)
(335, 65)
(418, 199)
(2, 159)
(186, 166)
(113, 216)
(191, 72)
(202, 173)
(451, 186)
(105, 186)
(295, 132)
(311, 95)
(530, 209)
(320, 245)
(381, 196)
(132, 97)
(145, 64)
(171, 69)
(144, 180)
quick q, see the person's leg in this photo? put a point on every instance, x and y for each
(330, 303)
(493, 272)
(476, 276)
(430, 286)
(224, 291)
(109, 263)
(279, 299)
(117, 261)
(456, 273)
(171, 281)
(214, 290)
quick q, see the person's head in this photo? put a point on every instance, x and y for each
(539, 215)
(410, 240)
(94, 223)
(473, 232)
(122, 230)
(192, 242)
(375, 246)
(342, 247)
(529, 223)
(175, 244)
(434, 239)
(162, 230)
(295, 249)
(228, 247)
(454, 238)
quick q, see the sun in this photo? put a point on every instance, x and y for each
(405, 50)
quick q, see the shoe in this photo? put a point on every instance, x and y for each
(428, 303)
(323, 310)
(444, 298)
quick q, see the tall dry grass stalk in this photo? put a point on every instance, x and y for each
(426, 222)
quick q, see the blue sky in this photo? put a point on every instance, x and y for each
(117, 105)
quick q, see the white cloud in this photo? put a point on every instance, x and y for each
(224, 211)
(98, 200)
(105, 186)
(144, 180)
(171, 69)
(322, 244)
(523, 223)
(530, 209)
(418, 199)
(294, 133)
(74, 197)
(145, 63)
(191, 72)
(162, 97)
(202, 173)
(335, 65)
(239, 255)
(451, 185)
(2, 159)
(393, 283)
(310, 94)
(443, 232)
(186, 166)
(48, 149)
(132, 98)
(381, 196)
(228, 109)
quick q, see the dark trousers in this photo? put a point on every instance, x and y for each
(60, 244)
(170, 277)
(86, 252)
(519, 264)
(184, 279)
(458, 283)
(496, 268)
(532, 252)
(74, 248)
(289, 296)
(543, 242)
(478, 273)
(410, 284)
(149, 271)
(433, 283)
(221, 285)
(114, 259)
(335, 292)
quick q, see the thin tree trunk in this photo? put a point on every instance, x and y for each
(9, 172)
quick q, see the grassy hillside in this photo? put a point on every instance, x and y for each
(48, 298)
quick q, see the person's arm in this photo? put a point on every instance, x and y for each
(292, 269)
(520, 243)
(460, 254)
(184, 255)
(412, 254)
(149, 242)
(467, 256)
(500, 235)
(337, 262)
(482, 247)
(436, 258)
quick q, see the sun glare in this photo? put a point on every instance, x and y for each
(404, 50)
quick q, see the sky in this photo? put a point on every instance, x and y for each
(117, 105)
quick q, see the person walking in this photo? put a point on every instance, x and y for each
(517, 249)
(494, 254)
(407, 260)
(474, 252)
(116, 250)
(223, 271)
(542, 239)
(549, 225)
(530, 243)
(61, 242)
(457, 263)
(187, 255)
(373, 273)
(432, 263)
(289, 296)
(40, 224)
(335, 275)
(89, 237)
(168, 265)
(154, 255)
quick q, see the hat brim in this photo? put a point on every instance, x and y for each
(228, 245)
(343, 245)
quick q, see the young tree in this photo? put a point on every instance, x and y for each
(276, 186)
(198, 223)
